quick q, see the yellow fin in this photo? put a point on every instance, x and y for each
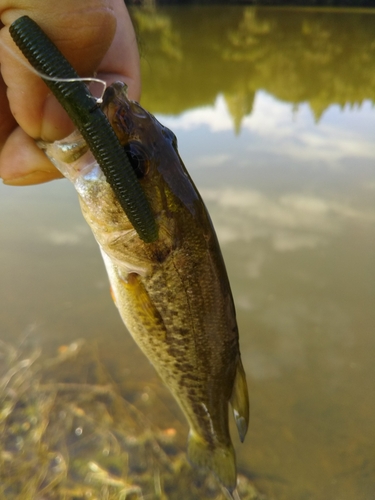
(112, 295)
(230, 495)
(220, 460)
(240, 401)
(143, 305)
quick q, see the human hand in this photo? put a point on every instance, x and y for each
(95, 36)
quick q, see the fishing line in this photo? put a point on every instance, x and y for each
(90, 120)
(24, 63)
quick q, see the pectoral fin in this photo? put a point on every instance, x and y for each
(143, 306)
(112, 295)
(240, 401)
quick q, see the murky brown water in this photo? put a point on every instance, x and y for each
(274, 112)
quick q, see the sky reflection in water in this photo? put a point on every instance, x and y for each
(292, 200)
(284, 159)
(275, 127)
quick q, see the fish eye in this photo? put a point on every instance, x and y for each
(171, 136)
(137, 158)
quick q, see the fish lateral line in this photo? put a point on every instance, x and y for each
(178, 309)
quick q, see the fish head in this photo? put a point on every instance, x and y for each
(152, 150)
(146, 141)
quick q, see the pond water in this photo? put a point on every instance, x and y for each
(274, 114)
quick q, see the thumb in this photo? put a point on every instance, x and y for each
(83, 35)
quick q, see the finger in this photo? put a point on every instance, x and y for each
(7, 122)
(84, 48)
(121, 62)
(22, 163)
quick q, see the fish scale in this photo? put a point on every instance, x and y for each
(172, 294)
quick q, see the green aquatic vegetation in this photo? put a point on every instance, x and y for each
(67, 433)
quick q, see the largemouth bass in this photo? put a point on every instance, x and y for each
(173, 294)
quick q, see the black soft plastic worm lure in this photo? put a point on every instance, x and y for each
(90, 120)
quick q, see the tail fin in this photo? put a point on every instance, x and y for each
(234, 495)
(240, 401)
(220, 460)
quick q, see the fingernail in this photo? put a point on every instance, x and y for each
(56, 123)
(36, 177)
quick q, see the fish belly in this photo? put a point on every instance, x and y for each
(190, 350)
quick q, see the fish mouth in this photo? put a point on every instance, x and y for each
(116, 106)
(128, 119)
(118, 90)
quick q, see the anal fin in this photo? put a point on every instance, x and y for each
(240, 401)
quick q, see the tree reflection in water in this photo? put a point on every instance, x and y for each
(319, 57)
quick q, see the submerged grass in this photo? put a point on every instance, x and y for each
(61, 439)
